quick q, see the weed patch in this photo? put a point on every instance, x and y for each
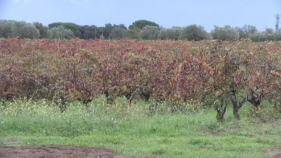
(131, 131)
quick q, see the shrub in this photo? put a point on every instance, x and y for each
(60, 32)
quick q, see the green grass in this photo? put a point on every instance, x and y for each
(131, 131)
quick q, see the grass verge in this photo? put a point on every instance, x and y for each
(132, 131)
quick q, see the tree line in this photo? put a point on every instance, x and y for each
(140, 29)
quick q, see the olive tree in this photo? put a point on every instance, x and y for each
(118, 33)
(267, 35)
(149, 33)
(76, 29)
(24, 30)
(133, 33)
(42, 29)
(194, 33)
(226, 33)
(60, 32)
(170, 33)
(278, 35)
(5, 28)
(246, 31)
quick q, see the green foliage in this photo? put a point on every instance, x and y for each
(170, 33)
(278, 35)
(5, 28)
(194, 33)
(132, 132)
(110, 31)
(246, 31)
(267, 35)
(24, 30)
(120, 26)
(76, 29)
(226, 33)
(149, 33)
(118, 33)
(133, 33)
(89, 32)
(142, 23)
(106, 31)
(42, 29)
(60, 33)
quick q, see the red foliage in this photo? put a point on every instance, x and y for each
(174, 70)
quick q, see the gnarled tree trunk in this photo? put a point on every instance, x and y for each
(236, 105)
(255, 96)
(221, 108)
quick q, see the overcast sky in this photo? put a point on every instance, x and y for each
(166, 13)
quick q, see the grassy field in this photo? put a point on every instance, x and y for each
(133, 132)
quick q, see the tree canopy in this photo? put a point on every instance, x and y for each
(42, 29)
(149, 33)
(140, 29)
(76, 29)
(170, 33)
(194, 33)
(5, 28)
(60, 32)
(24, 30)
(225, 33)
(142, 23)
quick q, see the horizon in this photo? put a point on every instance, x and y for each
(167, 14)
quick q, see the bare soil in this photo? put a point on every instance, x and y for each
(74, 152)
(276, 153)
(56, 151)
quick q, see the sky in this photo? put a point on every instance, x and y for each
(166, 13)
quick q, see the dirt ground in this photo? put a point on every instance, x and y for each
(276, 153)
(74, 152)
(56, 151)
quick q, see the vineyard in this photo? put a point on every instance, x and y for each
(179, 73)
